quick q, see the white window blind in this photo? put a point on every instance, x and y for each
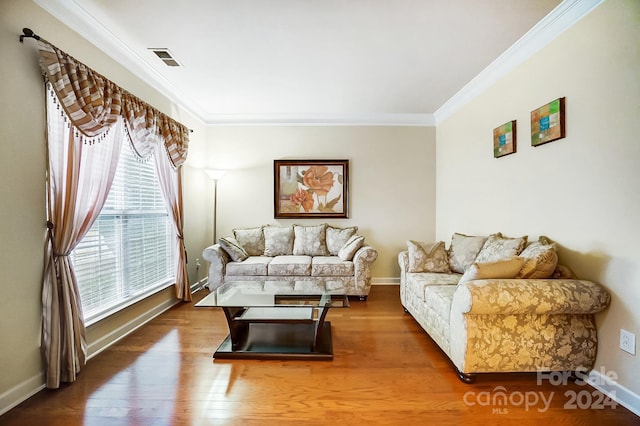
(129, 252)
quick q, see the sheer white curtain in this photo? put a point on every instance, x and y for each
(171, 186)
(80, 173)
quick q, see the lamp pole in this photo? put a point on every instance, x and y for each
(215, 175)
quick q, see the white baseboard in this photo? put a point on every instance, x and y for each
(124, 330)
(615, 391)
(199, 285)
(385, 281)
(21, 392)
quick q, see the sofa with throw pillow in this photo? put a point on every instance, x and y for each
(498, 304)
(294, 259)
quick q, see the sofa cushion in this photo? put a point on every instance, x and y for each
(498, 247)
(252, 265)
(463, 251)
(436, 313)
(418, 281)
(540, 260)
(251, 240)
(278, 240)
(500, 269)
(290, 265)
(328, 266)
(350, 248)
(337, 237)
(310, 240)
(438, 298)
(425, 257)
(233, 248)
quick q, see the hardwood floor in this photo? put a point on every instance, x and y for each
(386, 371)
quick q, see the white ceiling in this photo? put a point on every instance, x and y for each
(257, 60)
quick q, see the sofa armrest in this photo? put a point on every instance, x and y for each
(362, 261)
(218, 259)
(530, 296)
(403, 260)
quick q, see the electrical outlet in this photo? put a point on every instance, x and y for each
(627, 341)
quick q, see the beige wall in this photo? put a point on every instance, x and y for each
(391, 180)
(582, 191)
(22, 194)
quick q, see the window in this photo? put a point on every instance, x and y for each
(129, 251)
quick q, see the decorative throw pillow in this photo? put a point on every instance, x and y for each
(336, 237)
(498, 247)
(540, 260)
(251, 240)
(504, 269)
(563, 272)
(463, 251)
(424, 257)
(310, 240)
(278, 241)
(233, 248)
(351, 247)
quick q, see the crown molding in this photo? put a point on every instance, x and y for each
(321, 119)
(560, 19)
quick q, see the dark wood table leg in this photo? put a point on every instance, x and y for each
(238, 330)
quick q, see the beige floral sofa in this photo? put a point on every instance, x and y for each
(496, 304)
(295, 259)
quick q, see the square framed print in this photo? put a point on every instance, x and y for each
(547, 122)
(504, 139)
(307, 189)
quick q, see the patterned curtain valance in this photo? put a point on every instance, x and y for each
(93, 103)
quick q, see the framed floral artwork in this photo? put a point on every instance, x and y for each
(309, 189)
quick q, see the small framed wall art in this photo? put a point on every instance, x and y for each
(504, 139)
(547, 123)
(309, 189)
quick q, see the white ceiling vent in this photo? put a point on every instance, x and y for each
(165, 56)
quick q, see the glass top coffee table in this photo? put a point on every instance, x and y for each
(267, 323)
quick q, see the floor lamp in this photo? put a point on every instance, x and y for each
(215, 175)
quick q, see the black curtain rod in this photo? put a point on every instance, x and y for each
(27, 33)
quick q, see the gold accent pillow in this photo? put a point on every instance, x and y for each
(504, 269)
